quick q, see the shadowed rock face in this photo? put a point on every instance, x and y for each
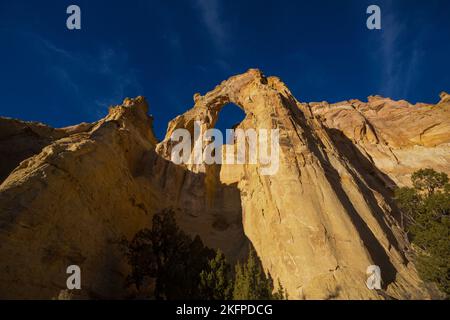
(86, 190)
(71, 203)
(20, 140)
(317, 224)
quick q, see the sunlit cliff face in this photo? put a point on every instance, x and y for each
(69, 195)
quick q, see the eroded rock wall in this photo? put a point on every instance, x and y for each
(71, 203)
(318, 223)
(72, 194)
(83, 189)
(395, 137)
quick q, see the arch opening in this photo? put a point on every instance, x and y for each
(230, 116)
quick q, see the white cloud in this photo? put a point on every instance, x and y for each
(400, 60)
(74, 70)
(210, 13)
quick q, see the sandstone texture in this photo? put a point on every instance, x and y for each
(69, 195)
(395, 137)
(70, 204)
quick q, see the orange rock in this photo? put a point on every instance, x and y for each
(317, 224)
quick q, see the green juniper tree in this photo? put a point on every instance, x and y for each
(168, 255)
(183, 268)
(251, 283)
(281, 293)
(427, 208)
(216, 282)
(429, 180)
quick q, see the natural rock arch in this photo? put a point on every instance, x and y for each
(312, 223)
(317, 224)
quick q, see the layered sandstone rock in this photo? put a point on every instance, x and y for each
(89, 187)
(71, 203)
(317, 223)
(395, 137)
(320, 221)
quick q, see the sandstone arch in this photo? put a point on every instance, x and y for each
(316, 224)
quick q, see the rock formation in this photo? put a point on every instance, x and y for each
(395, 137)
(71, 203)
(20, 140)
(317, 224)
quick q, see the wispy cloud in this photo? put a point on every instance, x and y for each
(122, 78)
(46, 44)
(64, 77)
(400, 58)
(210, 13)
(77, 71)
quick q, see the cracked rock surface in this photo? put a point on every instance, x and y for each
(69, 195)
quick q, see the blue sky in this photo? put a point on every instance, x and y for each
(169, 50)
